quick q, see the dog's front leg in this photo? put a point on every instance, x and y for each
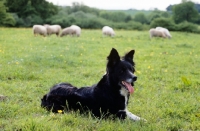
(132, 116)
(121, 114)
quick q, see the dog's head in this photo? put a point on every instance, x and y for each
(121, 71)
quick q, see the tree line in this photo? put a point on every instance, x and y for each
(26, 13)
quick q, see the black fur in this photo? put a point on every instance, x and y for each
(102, 99)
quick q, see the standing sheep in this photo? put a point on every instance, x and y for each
(166, 31)
(73, 30)
(156, 33)
(39, 29)
(106, 30)
(53, 29)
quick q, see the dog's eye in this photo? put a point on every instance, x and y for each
(132, 69)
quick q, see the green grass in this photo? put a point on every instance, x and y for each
(167, 92)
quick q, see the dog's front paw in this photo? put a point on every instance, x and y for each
(134, 117)
(143, 120)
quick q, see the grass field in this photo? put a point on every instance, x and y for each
(167, 92)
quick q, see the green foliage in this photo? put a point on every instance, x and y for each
(6, 19)
(185, 12)
(140, 17)
(169, 24)
(188, 27)
(133, 12)
(163, 22)
(94, 23)
(166, 92)
(130, 26)
(26, 13)
(29, 12)
(115, 16)
(196, 5)
(157, 14)
(81, 7)
(19, 21)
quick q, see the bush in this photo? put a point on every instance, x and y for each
(134, 26)
(140, 17)
(79, 14)
(62, 21)
(188, 27)
(129, 26)
(19, 21)
(92, 23)
(170, 25)
(163, 22)
(9, 21)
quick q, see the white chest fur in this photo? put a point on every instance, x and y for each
(124, 93)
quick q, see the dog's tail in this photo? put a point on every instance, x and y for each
(55, 100)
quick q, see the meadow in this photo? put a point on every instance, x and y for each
(167, 92)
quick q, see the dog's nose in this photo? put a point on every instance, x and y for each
(134, 78)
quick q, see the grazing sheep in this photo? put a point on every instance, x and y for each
(156, 33)
(39, 29)
(53, 29)
(67, 31)
(166, 31)
(106, 30)
(73, 30)
(76, 29)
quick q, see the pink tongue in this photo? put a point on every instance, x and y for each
(129, 86)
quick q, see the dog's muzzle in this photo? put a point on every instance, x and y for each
(128, 86)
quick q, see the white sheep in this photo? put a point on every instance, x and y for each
(67, 31)
(73, 30)
(166, 31)
(156, 33)
(39, 29)
(76, 29)
(53, 29)
(106, 30)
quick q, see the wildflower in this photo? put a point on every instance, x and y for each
(60, 111)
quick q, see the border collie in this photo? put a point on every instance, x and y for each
(109, 97)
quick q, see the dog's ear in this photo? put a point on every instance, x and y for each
(113, 58)
(129, 57)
